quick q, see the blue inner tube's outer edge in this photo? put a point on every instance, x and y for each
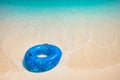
(51, 59)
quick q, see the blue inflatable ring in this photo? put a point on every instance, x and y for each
(33, 63)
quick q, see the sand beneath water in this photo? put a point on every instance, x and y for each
(90, 45)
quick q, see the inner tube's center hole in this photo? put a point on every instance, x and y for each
(42, 56)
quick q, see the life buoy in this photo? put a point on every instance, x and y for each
(33, 63)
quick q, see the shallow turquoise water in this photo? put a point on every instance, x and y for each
(59, 7)
(56, 3)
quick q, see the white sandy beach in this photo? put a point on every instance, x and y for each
(89, 40)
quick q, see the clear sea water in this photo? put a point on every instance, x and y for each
(59, 7)
(56, 3)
